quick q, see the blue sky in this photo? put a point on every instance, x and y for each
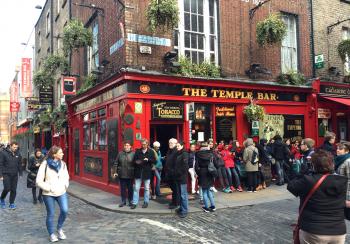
(17, 21)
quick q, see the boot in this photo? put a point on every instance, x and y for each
(264, 185)
(259, 187)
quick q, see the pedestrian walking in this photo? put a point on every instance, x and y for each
(34, 163)
(170, 174)
(205, 179)
(322, 201)
(125, 167)
(251, 159)
(53, 179)
(181, 169)
(342, 167)
(281, 154)
(156, 171)
(144, 161)
(10, 168)
(191, 171)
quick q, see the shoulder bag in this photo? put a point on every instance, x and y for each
(297, 227)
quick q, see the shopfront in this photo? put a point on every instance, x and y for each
(136, 106)
(333, 109)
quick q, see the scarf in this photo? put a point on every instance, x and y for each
(340, 159)
(55, 165)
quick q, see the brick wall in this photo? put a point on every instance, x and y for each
(328, 12)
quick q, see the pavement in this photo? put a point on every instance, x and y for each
(107, 201)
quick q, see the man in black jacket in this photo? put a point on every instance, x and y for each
(170, 164)
(144, 161)
(281, 153)
(10, 167)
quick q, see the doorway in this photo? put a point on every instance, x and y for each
(342, 129)
(163, 132)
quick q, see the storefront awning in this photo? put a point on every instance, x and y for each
(345, 101)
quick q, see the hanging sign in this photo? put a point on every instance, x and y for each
(69, 85)
(32, 103)
(14, 107)
(46, 95)
(324, 113)
(167, 110)
(319, 61)
(26, 86)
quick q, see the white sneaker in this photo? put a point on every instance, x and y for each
(213, 189)
(53, 238)
(61, 234)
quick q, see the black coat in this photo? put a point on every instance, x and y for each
(181, 167)
(205, 179)
(10, 163)
(33, 170)
(329, 147)
(191, 156)
(324, 212)
(263, 155)
(280, 151)
(170, 164)
(125, 165)
(143, 168)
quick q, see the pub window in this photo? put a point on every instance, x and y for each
(95, 130)
(345, 36)
(201, 126)
(48, 24)
(92, 54)
(289, 49)
(196, 35)
(86, 139)
(102, 142)
(94, 136)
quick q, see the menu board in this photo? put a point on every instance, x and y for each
(224, 126)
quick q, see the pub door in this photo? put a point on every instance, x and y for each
(342, 129)
(163, 132)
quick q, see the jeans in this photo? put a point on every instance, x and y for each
(208, 196)
(34, 194)
(223, 177)
(184, 199)
(155, 188)
(280, 171)
(10, 185)
(200, 193)
(126, 185)
(50, 209)
(175, 188)
(193, 179)
(252, 178)
(232, 173)
(135, 199)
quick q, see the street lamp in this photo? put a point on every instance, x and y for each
(38, 7)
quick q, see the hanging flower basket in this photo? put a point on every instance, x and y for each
(162, 13)
(271, 30)
(344, 49)
(254, 112)
(75, 36)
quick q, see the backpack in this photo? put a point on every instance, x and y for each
(255, 158)
(211, 167)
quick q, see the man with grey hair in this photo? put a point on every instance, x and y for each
(170, 174)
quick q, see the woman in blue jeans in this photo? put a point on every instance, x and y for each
(53, 179)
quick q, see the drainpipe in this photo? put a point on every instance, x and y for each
(218, 32)
(312, 39)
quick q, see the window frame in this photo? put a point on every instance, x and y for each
(92, 54)
(346, 64)
(48, 23)
(91, 123)
(296, 42)
(180, 31)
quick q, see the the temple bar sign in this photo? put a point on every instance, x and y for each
(167, 110)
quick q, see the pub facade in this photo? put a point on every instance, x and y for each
(136, 105)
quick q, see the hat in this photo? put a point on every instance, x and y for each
(156, 144)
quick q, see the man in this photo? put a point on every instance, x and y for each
(170, 174)
(144, 161)
(328, 145)
(10, 167)
(280, 152)
(307, 149)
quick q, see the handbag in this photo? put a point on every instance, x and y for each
(211, 168)
(347, 213)
(297, 227)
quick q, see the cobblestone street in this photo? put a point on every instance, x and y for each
(264, 223)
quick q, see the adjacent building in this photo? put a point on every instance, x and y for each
(4, 117)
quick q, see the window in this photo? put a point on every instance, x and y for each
(93, 59)
(289, 49)
(58, 7)
(48, 24)
(95, 130)
(345, 36)
(196, 35)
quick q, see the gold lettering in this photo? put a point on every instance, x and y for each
(204, 93)
(273, 96)
(214, 92)
(249, 95)
(238, 94)
(222, 93)
(186, 91)
(230, 94)
(260, 96)
(195, 92)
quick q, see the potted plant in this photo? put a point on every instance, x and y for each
(271, 30)
(344, 49)
(162, 13)
(254, 112)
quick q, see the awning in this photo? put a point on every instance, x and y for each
(345, 101)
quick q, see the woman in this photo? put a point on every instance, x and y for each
(342, 166)
(125, 171)
(181, 169)
(250, 159)
(322, 220)
(156, 171)
(53, 179)
(33, 166)
(329, 140)
(232, 174)
(205, 179)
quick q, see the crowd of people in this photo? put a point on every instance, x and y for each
(319, 176)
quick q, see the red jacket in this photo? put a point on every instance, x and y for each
(228, 158)
(295, 152)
